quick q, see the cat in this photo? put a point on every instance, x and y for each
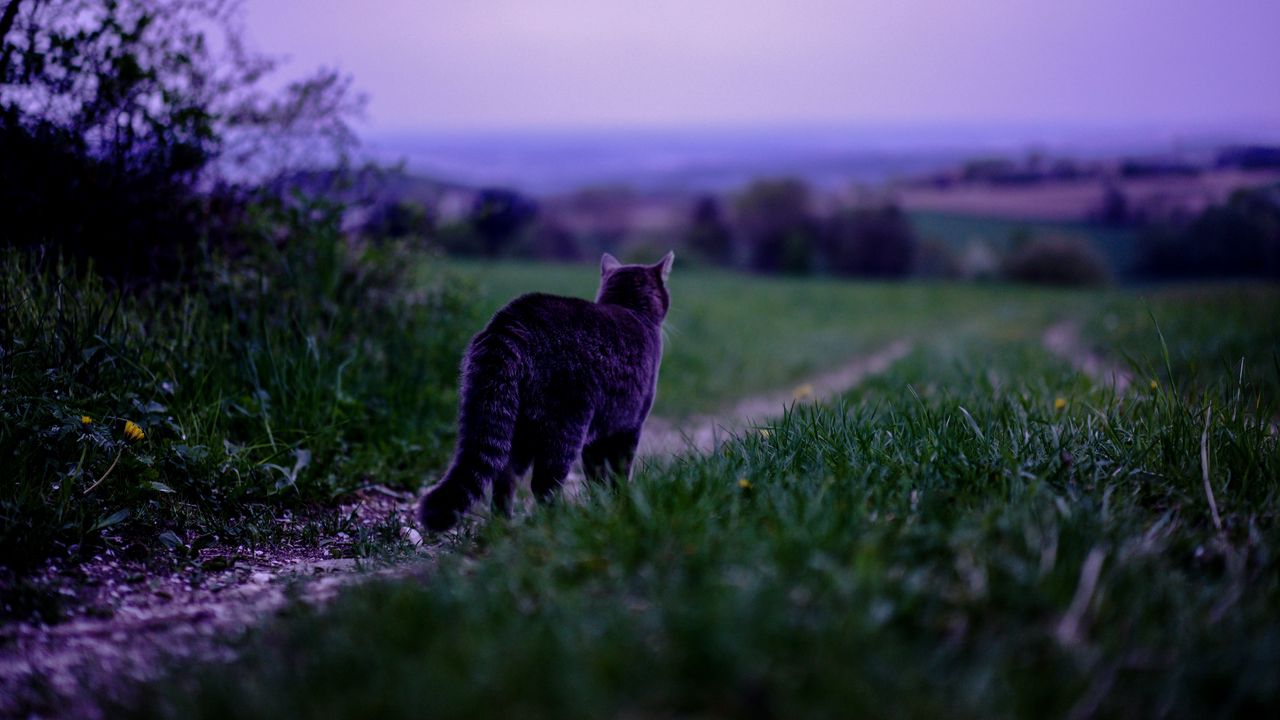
(551, 378)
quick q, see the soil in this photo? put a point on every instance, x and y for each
(703, 433)
(1063, 339)
(116, 618)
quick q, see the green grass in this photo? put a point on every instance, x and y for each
(730, 335)
(948, 539)
(283, 378)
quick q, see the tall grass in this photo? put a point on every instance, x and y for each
(290, 374)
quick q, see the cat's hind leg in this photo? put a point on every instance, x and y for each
(504, 485)
(610, 458)
(552, 461)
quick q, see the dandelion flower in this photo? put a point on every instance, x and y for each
(804, 392)
(85, 420)
(132, 432)
(1060, 403)
(1155, 385)
(744, 483)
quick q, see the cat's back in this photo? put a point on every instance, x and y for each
(547, 321)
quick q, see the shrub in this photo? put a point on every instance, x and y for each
(774, 219)
(870, 242)
(497, 218)
(708, 237)
(1056, 260)
(1238, 239)
(116, 115)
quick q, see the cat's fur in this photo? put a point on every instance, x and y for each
(551, 378)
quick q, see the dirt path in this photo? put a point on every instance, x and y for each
(125, 621)
(1063, 339)
(702, 433)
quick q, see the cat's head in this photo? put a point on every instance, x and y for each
(640, 287)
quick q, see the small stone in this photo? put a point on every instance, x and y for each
(411, 536)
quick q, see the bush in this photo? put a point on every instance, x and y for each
(708, 237)
(498, 217)
(1056, 261)
(117, 115)
(1238, 239)
(292, 373)
(870, 242)
(774, 219)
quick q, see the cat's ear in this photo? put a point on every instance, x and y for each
(608, 263)
(663, 266)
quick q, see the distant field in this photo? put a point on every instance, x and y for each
(982, 531)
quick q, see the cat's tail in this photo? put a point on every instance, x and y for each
(489, 406)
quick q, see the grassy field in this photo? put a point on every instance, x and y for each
(981, 531)
(730, 334)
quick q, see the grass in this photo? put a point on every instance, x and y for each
(982, 531)
(729, 334)
(282, 378)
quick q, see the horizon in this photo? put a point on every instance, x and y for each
(504, 66)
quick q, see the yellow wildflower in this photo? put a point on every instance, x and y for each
(744, 483)
(764, 433)
(1155, 385)
(1060, 403)
(132, 432)
(85, 420)
(804, 392)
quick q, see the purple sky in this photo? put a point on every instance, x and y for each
(478, 64)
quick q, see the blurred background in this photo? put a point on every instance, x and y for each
(1088, 143)
(1093, 143)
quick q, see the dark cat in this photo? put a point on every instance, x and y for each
(550, 378)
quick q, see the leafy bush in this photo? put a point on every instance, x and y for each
(871, 242)
(498, 216)
(1238, 239)
(116, 116)
(1056, 260)
(292, 373)
(708, 237)
(777, 226)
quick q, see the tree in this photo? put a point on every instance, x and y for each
(871, 242)
(773, 218)
(1240, 238)
(498, 216)
(708, 236)
(118, 116)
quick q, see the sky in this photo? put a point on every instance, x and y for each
(433, 65)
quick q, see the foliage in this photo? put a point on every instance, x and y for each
(1238, 239)
(708, 236)
(870, 242)
(777, 226)
(116, 115)
(398, 220)
(1056, 260)
(498, 216)
(291, 373)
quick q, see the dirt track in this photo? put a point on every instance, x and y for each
(702, 433)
